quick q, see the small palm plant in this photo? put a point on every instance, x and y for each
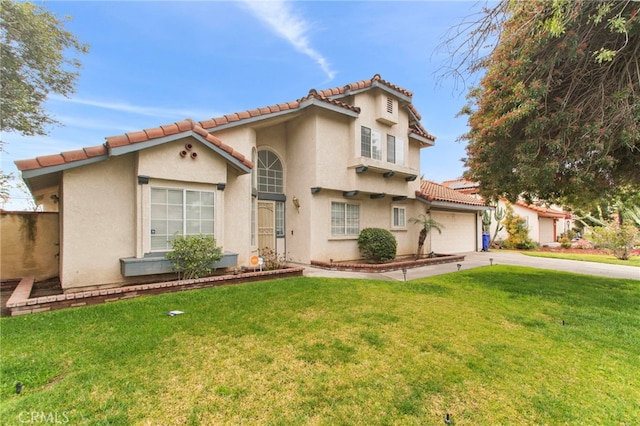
(427, 225)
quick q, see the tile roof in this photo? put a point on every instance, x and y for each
(432, 191)
(543, 211)
(212, 123)
(62, 158)
(202, 128)
(364, 84)
(130, 138)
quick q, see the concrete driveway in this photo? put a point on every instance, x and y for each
(478, 259)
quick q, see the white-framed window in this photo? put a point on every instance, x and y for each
(391, 148)
(254, 202)
(270, 173)
(370, 143)
(177, 212)
(345, 219)
(395, 150)
(399, 217)
(399, 151)
(279, 219)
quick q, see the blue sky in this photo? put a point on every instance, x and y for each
(157, 62)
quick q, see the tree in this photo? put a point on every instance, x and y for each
(518, 231)
(33, 65)
(617, 238)
(427, 224)
(556, 115)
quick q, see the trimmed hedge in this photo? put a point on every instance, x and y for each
(377, 245)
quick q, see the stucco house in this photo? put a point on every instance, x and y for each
(545, 223)
(301, 177)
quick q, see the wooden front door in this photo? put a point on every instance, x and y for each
(266, 225)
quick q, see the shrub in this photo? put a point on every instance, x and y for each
(271, 260)
(377, 245)
(193, 256)
(619, 239)
(518, 232)
(565, 242)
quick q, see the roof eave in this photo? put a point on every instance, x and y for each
(448, 205)
(328, 106)
(425, 142)
(126, 149)
(29, 174)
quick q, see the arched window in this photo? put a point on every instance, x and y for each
(270, 173)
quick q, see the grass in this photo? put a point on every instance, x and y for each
(493, 345)
(600, 258)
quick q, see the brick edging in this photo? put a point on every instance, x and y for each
(21, 305)
(387, 267)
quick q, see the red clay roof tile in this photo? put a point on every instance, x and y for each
(154, 133)
(51, 160)
(170, 129)
(200, 131)
(76, 155)
(185, 125)
(29, 164)
(226, 147)
(120, 140)
(96, 151)
(135, 137)
(217, 142)
(207, 123)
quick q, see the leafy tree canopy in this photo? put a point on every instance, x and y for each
(557, 114)
(33, 49)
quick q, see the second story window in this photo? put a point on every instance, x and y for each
(370, 143)
(391, 148)
(395, 150)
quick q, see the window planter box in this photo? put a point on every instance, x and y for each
(157, 263)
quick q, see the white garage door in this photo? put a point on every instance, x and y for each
(458, 234)
(546, 231)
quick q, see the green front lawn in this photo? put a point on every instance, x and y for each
(600, 258)
(494, 345)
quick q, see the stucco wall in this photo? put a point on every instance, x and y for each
(29, 245)
(98, 221)
(373, 213)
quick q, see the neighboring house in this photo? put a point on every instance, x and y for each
(302, 178)
(545, 224)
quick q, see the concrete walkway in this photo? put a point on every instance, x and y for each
(478, 259)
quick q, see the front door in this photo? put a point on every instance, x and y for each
(266, 225)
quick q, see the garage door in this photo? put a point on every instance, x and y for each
(458, 234)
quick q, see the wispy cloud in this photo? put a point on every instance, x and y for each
(173, 113)
(284, 21)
